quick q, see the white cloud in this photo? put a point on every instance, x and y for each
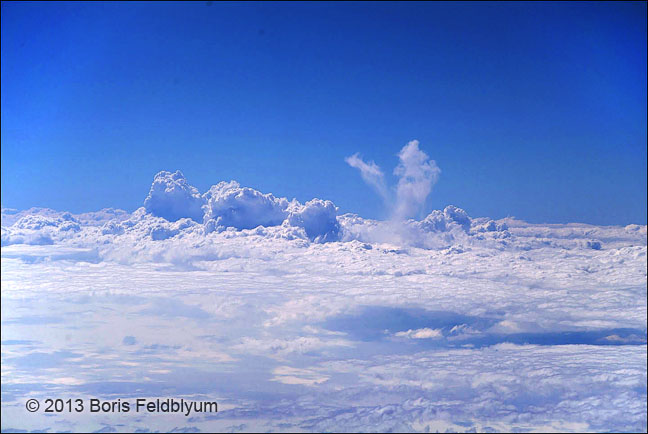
(290, 375)
(424, 333)
(417, 175)
(318, 218)
(172, 198)
(371, 174)
(230, 205)
(246, 314)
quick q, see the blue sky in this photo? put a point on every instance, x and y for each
(533, 110)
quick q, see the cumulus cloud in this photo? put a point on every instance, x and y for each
(163, 230)
(276, 298)
(230, 205)
(318, 218)
(171, 197)
(38, 229)
(112, 228)
(258, 314)
(444, 221)
(64, 222)
(237, 212)
(439, 229)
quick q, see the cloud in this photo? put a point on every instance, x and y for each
(164, 230)
(371, 174)
(242, 316)
(239, 212)
(424, 333)
(40, 230)
(439, 229)
(318, 218)
(290, 375)
(417, 175)
(230, 205)
(171, 197)
(112, 228)
(285, 346)
(267, 306)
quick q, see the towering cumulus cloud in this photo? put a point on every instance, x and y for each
(230, 205)
(416, 174)
(171, 197)
(318, 218)
(442, 323)
(174, 209)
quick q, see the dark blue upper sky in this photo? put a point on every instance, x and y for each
(536, 110)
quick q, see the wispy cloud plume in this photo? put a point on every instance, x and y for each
(371, 174)
(416, 174)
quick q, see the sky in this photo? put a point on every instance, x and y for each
(533, 110)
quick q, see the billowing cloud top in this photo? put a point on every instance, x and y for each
(318, 218)
(172, 198)
(399, 308)
(230, 205)
(175, 212)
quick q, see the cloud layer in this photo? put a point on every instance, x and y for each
(296, 318)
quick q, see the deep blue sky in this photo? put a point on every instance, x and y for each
(533, 110)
